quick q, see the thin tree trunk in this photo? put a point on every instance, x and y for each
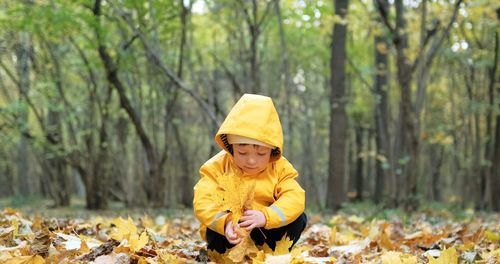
(384, 166)
(495, 179)
(287, 84)
(436, 160)
(495, 169)
(359, 163)
(56, 166)
(336, 194)
(23, 176)
(155, 188)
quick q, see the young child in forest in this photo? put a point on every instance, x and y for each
(252, 141)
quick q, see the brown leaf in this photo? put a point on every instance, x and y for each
(103, 249)
(41, 243)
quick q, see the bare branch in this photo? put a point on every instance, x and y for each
(436, 43)
(384, 14)
(170, 74)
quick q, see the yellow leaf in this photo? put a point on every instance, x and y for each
(142, 260)
(385, 241)
(83, 247)
(490, 235)
(382, 48)
(122, 249)
(448, 256)
(124, 228)
(356, 219)
(244, 248)
(467, 246)
(15, 225)
(337, 219)
(282, 246)
(492, 254)
(333, 235)
(37, 223)
(267, 249)
(392, 257)
(136, 243)
(259, 258)
(147, 222)
(166, 257)
(26, 260)
(218, 258)
(235, 195)
(10, 211)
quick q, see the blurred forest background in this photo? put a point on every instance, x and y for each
(389, 101)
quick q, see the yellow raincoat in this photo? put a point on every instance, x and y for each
(277, 194)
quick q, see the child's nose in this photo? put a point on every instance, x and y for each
(251, 160)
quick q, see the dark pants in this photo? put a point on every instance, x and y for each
(218, 242)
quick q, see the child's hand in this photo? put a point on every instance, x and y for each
(252, 219)
(231, 236)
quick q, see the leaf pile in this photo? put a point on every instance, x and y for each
(327, 239)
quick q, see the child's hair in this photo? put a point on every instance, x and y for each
(274, 152)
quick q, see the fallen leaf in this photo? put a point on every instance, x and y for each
(137, 242)
(353, 247)
(26, 260)
(124, 228)
(392, 257)
(492, 236)
(283, 246)
(448, 256)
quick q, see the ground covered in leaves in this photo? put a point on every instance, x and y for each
(424, 237)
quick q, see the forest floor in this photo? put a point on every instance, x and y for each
(32, 232)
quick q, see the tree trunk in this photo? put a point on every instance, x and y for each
(156, 186)
(55, 165)
(435, 162)
(23, 176)
(254, 30)
(384, 166)
(287, 86)
(495, 169)
(487, 171)
(186, 180)
(359, 163)
(495, 179)
(336, 194)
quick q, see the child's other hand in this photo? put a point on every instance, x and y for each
(252, 219)
(231, 236)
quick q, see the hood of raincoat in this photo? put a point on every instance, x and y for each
(253, 116)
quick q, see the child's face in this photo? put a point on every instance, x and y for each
(251, 158)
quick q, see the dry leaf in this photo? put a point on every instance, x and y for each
(124, 228)
(283, 246)
(236, 195)
(448, 256)
(136, 243)
(26, 260)
(245, 248)
(392, 257)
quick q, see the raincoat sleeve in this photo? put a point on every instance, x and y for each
(205, 204)
(290, 199)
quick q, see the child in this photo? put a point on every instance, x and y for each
(252, 141)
